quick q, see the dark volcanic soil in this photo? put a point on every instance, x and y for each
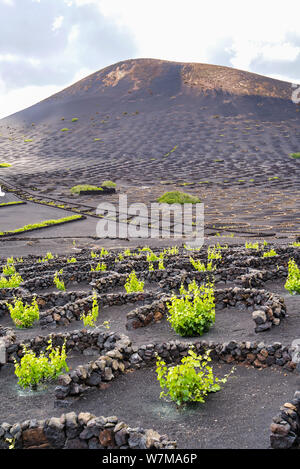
(236, 417)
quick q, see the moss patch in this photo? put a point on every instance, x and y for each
(12, 203)
(84, 187)
(108, 184)
(43, 224)
(177, 197)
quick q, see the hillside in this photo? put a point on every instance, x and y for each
(152, 84)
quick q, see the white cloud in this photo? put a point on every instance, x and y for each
(18, 99)
(171, 29)
(73, 34)
(57, 23)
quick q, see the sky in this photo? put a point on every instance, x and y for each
(46, 45)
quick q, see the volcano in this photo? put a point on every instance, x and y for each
(149, 84)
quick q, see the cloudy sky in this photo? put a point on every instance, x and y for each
(46, 45)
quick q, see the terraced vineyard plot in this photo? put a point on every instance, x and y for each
(256, 322)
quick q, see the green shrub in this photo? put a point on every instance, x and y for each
(295, 155)
(270, 253)
(252, 245)
(91, 317)
(296, 244)
(47, 258)
(8, 269)
(60, 284)
(218, 246)
(257, 246)
(213, 253)
(293, 281)
(85, 187)
(75, 119)
(5, 165)
(72, 260)
(24, 315)
(119, 258)
(101, 267)
(194, 312)
(145, 249)
(11, 282)
(151, 257)
(171, 251)
(177, 197)
(33, 370)
(191, 381)
(104, 252)
(201, 267)
(161, 264)
(132, 284)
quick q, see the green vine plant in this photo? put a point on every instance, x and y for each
(257, 246)
(49, 256)
(172, 251)
(13, 281)
(9, 269)
(11, 442)
(91, 317)
(120, 258)
(193, 313)
(218, 246)
(23, 315)
(213, 253)
(72, 260)
(145, 249)
(161, 263)
(190, 381)
(152, 257)
(270, 253)
(133, 284)
(101, 266)
(201, 267)
(102, 253)
(60, 284)
(33, 370)
(292, 283)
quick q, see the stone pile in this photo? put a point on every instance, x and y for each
(80, 431)
(285, 428)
